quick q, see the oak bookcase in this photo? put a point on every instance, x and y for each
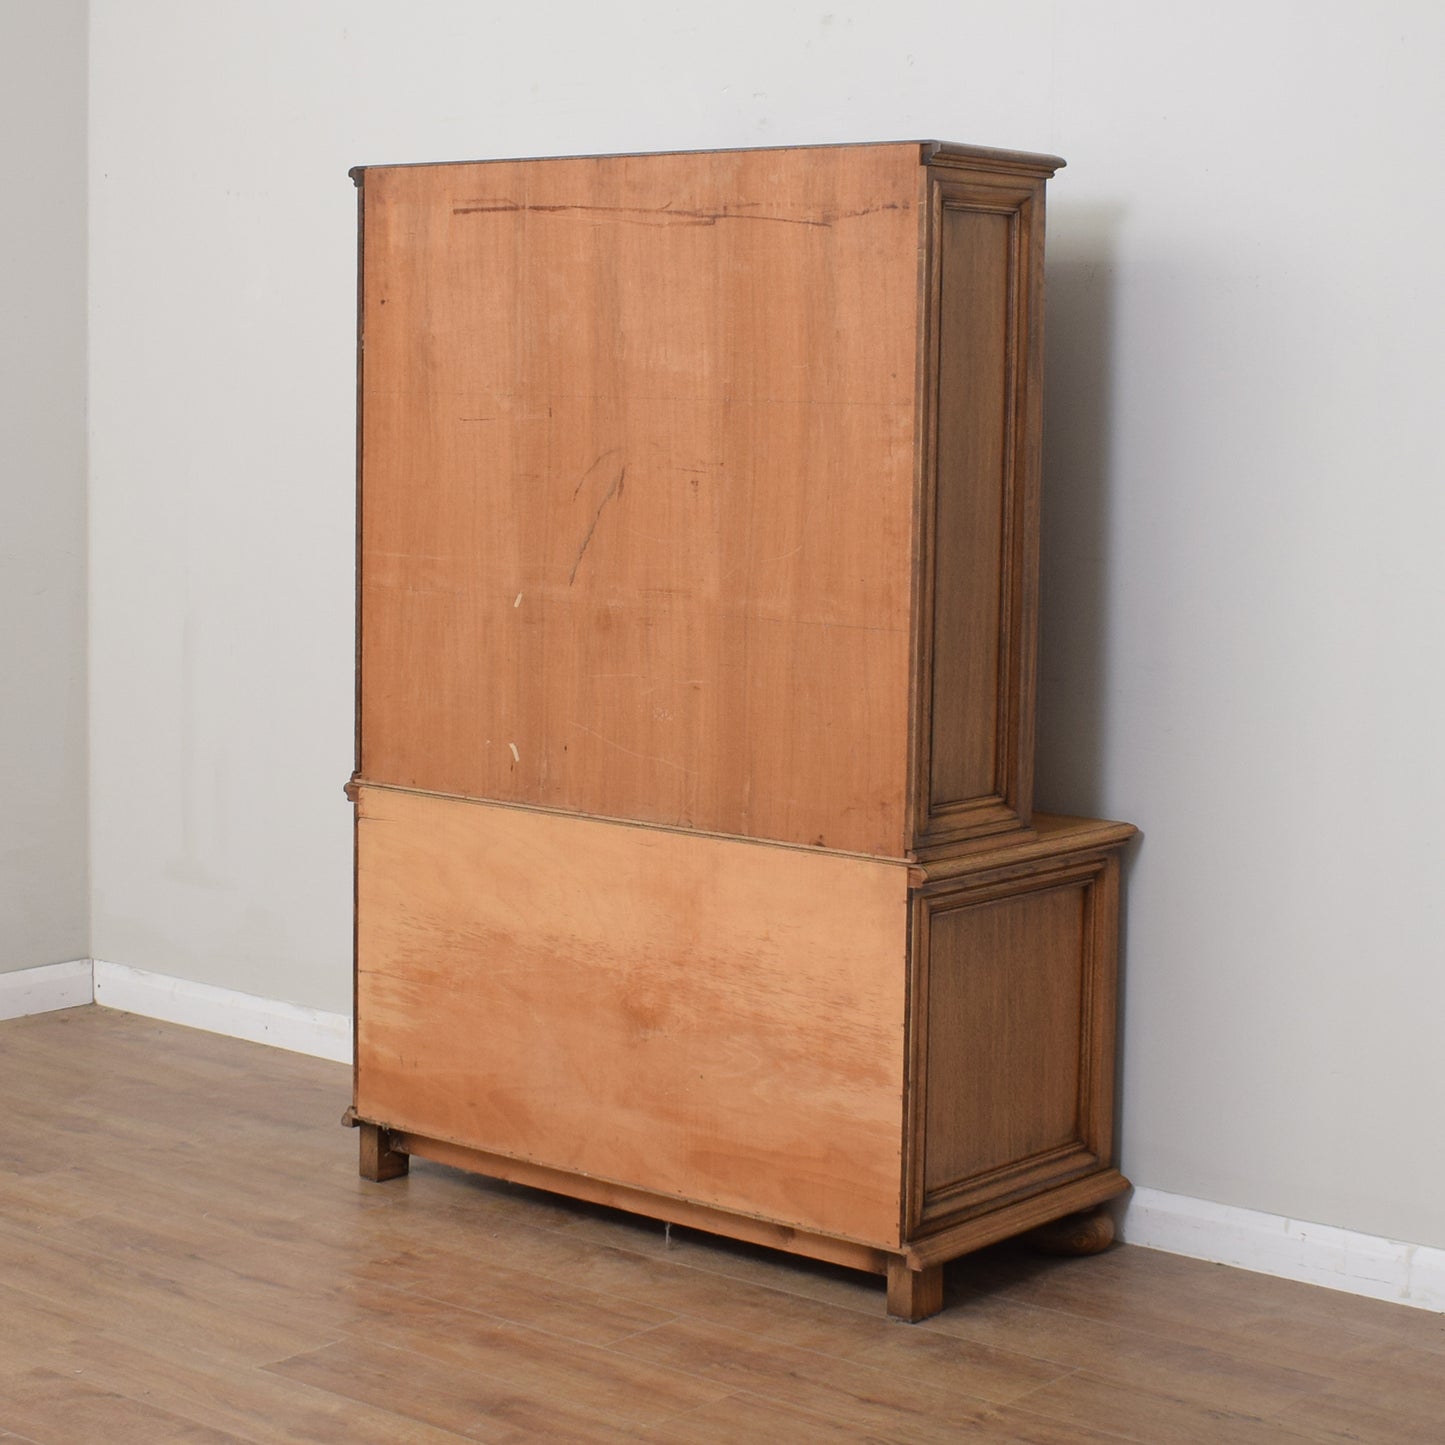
(697, 870)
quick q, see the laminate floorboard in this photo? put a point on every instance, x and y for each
(187, 1254)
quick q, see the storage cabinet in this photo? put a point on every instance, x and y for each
(697, 866)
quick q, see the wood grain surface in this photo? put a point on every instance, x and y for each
(1014, 998)
(979, 519)
(1005, 1005)
(700, 1017)
(638, 486)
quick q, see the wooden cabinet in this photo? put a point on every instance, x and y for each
(697, 866)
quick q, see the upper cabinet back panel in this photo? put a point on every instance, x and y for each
(638, 486)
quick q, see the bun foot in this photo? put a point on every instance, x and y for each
(1089, 1232)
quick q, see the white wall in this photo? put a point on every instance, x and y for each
(43, 869)
(1243, 615)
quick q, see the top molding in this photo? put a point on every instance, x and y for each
(931, 152)
(945, 153)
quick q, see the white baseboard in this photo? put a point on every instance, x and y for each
(46, 988)
(1363, 1264)
(223, 1011)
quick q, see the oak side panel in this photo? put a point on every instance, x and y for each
(1013, 1004)
(700, 1017)
(637, 487)
(980, 508)
(977, 251)
(1005, 1005)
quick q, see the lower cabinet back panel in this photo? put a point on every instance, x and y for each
(702, 1017)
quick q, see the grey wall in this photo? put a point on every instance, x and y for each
(1244, 610)
(44, 901)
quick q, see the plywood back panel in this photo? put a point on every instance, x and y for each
(701, 1017)
(637, 486)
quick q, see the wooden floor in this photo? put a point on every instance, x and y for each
(186, 1254)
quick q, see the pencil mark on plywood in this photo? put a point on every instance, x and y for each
(615, 490)
(592, 470)
(663, 216)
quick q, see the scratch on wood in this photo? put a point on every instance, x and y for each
(662, 216)
(632, 753)
(615, 490)
(592, 470)
(516, 756)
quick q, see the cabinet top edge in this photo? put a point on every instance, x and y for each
(945, 153)
(930, 152)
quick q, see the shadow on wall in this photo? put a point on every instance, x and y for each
(1074, 540)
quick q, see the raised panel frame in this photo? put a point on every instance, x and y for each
(1001, 804)
(944, 1204)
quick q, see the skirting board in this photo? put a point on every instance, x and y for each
(223, 1011)
(1362, 1264)
(203, 1006)
(46, 988)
